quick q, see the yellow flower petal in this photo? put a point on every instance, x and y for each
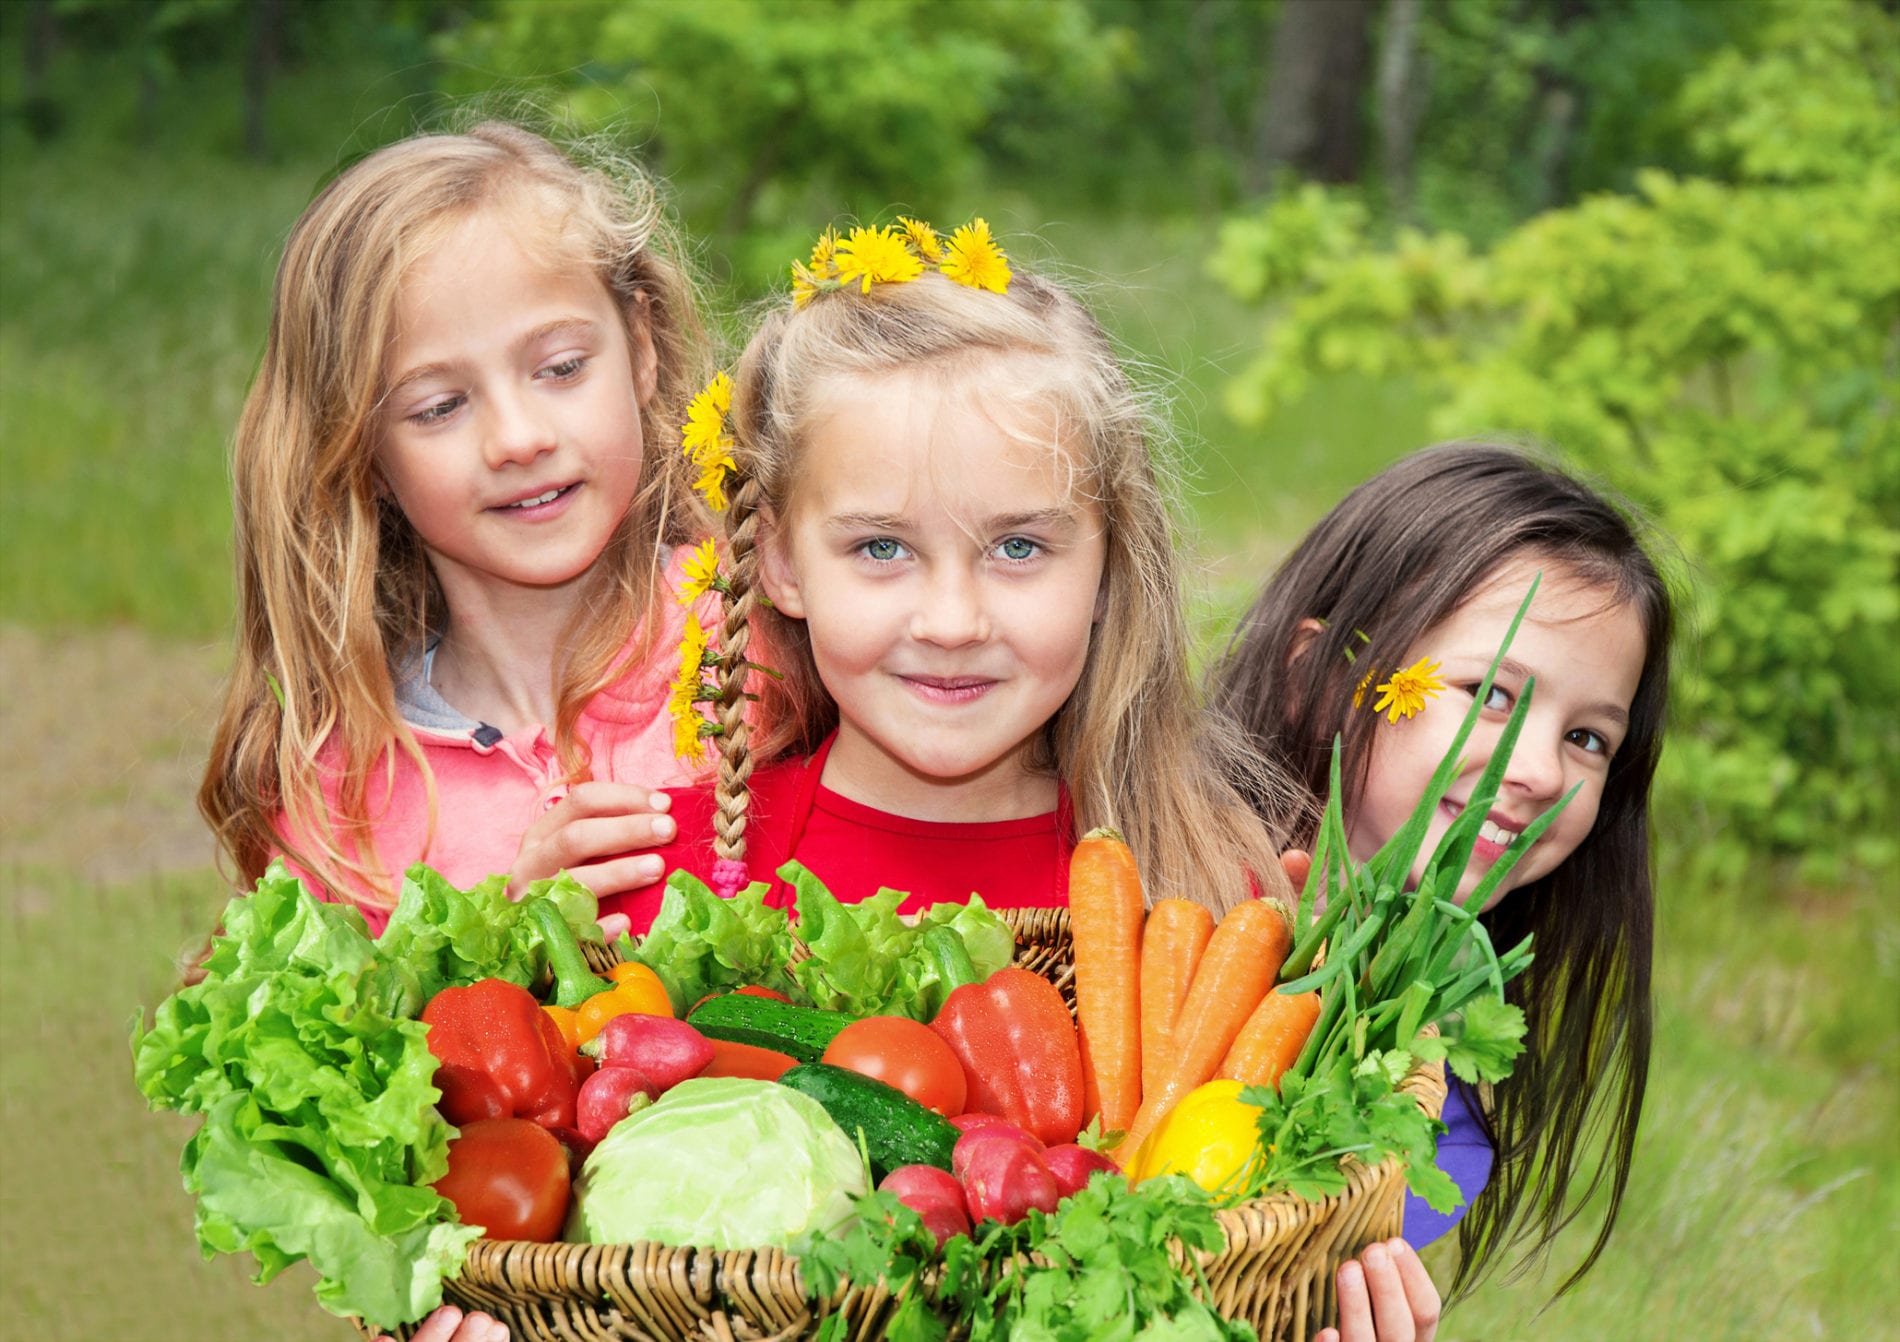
(974, 259)
(923, 237)
(876, 256)
(701, 571)
(1404, 695)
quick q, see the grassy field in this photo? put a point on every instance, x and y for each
(1764, 1202)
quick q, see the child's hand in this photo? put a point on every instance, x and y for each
(1296, 863)
(1385, 1295)
(448, 1324)
(595, 834)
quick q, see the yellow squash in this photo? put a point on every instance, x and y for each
(1210, 1136)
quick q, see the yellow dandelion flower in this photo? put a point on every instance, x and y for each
(804, 285)
(706, 418)
(973, 258)
(1405, 694)
(923, 237)
(1359, 694)
(701, 570)
(876, 256)
(683, 700)
(715, 464)
(823, 255)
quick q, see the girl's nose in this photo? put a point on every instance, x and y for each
(517, 433)
(952, 614)
(1536, 769)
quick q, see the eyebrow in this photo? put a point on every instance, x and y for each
(1620, 716)
(580, 326)
(866, 521)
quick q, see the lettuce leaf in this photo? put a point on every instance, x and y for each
(701, 944)
(866, 960)
(301, 1049)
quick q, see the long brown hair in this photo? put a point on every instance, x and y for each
(1396, 558)
(332, 581)
(1130, 742)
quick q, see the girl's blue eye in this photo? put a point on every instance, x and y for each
(436, 412)
(883, 549)
(1017, 548)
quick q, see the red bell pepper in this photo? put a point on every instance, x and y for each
(500, 1055)
(1018, 1048)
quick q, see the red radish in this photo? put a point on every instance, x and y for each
(669, 1051)
(1009, 1135)
(1072, 1165)
(608, 1096)
(934, 1195)
(1002, 1180)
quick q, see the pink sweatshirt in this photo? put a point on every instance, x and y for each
(490, 787)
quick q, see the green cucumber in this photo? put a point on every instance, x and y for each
(896, 1130)
(740, 1018)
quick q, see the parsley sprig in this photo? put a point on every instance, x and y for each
(1108, 1263)
(1410, 977)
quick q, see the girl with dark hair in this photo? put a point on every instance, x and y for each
(1399, 599)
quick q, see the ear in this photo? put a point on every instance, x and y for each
(776, 574)
(1303, 635)
(646, 363)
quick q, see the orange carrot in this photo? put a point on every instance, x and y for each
(1271, 1040)
(1105, 915)
(1171, 949)
(1240, 963)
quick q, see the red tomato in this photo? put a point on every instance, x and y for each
(508, 1176)
(902, 1053)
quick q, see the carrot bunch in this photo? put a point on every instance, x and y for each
(1166, 1000)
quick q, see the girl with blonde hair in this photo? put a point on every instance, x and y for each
(950, 540)
(458, 497)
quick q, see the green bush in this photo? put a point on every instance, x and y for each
(1722, 349)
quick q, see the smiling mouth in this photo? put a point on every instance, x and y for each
(1493, 837)
(538, 500)
(949, 689)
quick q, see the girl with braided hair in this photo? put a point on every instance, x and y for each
(948, 538)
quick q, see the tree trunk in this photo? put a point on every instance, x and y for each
(42, 35)
(1551, 131)
(1310, 118)
(260, 62)
(1403, 82)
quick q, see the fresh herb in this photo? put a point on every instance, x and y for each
(1399, 961)
(1108, 1263)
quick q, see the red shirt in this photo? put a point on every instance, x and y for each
(857, 849)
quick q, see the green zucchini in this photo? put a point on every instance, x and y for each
(740, 1018)
(896, 1130)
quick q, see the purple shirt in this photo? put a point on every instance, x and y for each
(1465, 1155)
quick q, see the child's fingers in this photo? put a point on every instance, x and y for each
(441, 1326)
(1391, 1311)
(585, 839)
(596, 798)
(613, 926)
(1297, 863)
(1421, 1293)
(1355, 1305)
(634, 872)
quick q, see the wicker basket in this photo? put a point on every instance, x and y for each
(1276, 1271)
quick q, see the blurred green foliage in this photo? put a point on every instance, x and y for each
(1723, 349)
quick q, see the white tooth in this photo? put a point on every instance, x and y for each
(1491, 832)
(548, 497)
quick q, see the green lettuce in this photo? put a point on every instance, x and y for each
(301, 1050)
(701, 944)
(867, 961)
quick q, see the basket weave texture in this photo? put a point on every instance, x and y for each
(1276, 1271)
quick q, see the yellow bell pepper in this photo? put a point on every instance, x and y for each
(1210, 1136)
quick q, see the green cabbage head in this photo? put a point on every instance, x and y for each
(723, 1162)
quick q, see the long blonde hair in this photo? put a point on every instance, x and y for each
(1131, 743)
(332, 581)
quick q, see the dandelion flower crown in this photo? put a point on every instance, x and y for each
(897, 253)
(1405, 693)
